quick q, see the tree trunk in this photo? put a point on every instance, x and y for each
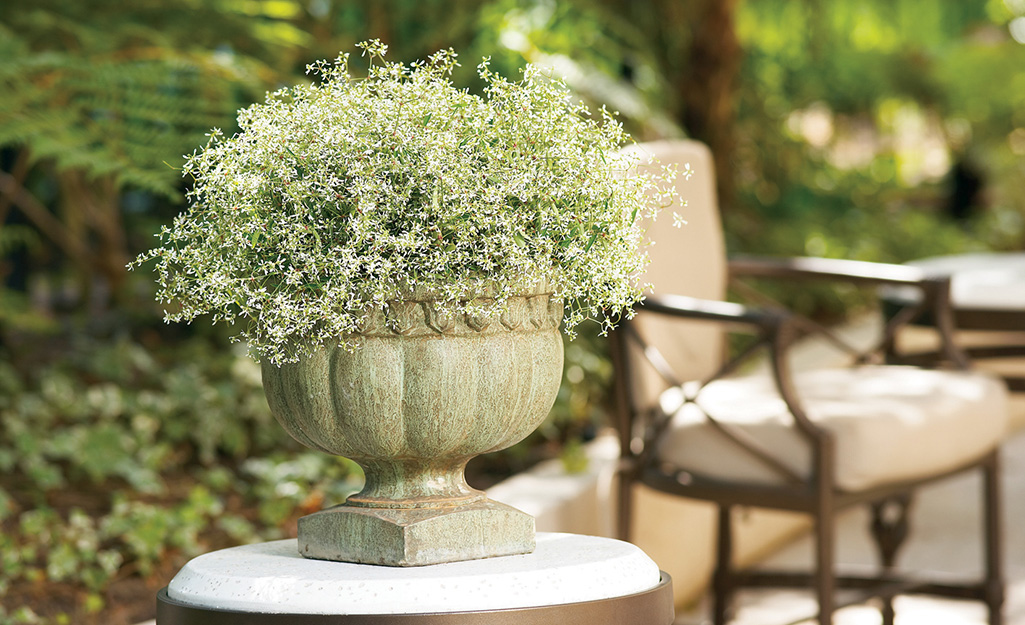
(97, 204)
(695, 45)
(708, 87)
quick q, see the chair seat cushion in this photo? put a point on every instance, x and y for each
(890, 424)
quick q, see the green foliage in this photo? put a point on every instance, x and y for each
(581, 404)
(118, 92)
(147, 531)
(592, 44)
(852, 118)
(20, 616)
(130, 419)
(893, 86)
(15, 237)
(116, 423)
(15, 310)
(284, 483)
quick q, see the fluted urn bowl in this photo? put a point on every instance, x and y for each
(417, 395)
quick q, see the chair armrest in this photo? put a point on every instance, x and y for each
(812, 268)
(935, 288)
(711, 310)
(778, 328)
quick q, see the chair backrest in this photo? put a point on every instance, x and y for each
(688, 260)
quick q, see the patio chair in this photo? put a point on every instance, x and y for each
(814, 442)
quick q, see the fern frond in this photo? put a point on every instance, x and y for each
(121, 104)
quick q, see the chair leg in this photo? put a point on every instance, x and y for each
(624, 507)
(825, 561)
(890, 527)
(722, 581)
(993, 526)
(890, 530)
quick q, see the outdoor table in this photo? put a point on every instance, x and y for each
(569, 579)
(987, 294)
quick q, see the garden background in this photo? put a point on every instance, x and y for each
(879, 130)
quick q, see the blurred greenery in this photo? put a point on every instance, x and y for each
(878, 130)
(118, 459)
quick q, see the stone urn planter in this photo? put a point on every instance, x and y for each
(421, 394)
(399, 192)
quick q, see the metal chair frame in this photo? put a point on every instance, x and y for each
(817, 496)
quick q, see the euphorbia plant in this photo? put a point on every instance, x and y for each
(338, 197)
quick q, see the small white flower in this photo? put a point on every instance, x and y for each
(339, 196)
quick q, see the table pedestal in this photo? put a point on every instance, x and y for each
(569, 579)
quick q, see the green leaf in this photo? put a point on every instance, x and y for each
(6, 505)
(102, 449)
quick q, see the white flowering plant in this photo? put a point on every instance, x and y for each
(337, 197)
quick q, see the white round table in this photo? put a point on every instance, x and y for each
(987, 293)
(987, 290)
(567, 579)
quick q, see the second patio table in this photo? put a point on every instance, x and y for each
(987, 294)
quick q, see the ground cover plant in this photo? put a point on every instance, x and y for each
(118, 462)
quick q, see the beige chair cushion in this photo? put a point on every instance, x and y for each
(890, 423)
(690, 260)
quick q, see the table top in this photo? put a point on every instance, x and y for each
(273, 578)
(986, 281)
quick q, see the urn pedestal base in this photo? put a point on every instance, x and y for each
(416, 536)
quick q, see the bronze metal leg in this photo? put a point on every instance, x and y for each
(624, 506)
(825, 560)
(890, 529)
(992, 513)
(723, 578)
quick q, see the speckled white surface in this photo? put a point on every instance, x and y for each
(274, 578)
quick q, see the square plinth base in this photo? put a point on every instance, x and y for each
(417, 536)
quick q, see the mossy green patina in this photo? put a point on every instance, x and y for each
(421, 395)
